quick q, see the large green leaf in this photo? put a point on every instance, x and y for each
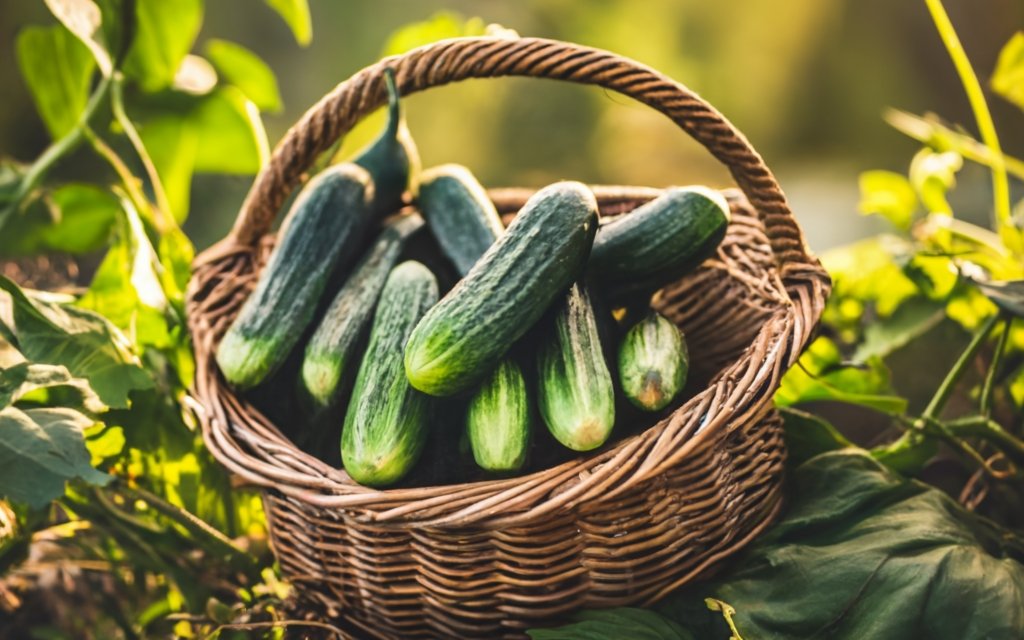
(808, 435)
(46, 384)
(616, 624)
(1008, 78)
(244, 69)
(296, 14)
(57, 67)
(84, 342)
(40, 450)
(889, 195)
(74, 218)
(84, 19)
(172, 144)
(231, 134)
(164, 33)
(911, 320)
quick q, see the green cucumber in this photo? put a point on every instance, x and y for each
(322, 231)
(498, 419)
(541, 253)
(459, 214)
(653, 362)
(576, 393)
(332, 354)
(660, 241)
(387, 420)
(392, 158)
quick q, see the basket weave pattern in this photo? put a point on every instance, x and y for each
(624, 526)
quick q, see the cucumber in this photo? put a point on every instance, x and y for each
(332, 354)
(320, 234)
(576, 393)
(653, 362)
(498, 419)
(541, 253)
(658, 242)
(387, 420)
(392, 158)
(459, 214)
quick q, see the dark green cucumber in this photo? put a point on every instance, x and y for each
(320, 234)
(332, 356)
(541, 253)
(576, 394)
(387, 420)
(391, 159)
(498, 419)
(653, 362)
(459, 214)
(660, 241)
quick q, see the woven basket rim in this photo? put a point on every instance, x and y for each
(802, 286)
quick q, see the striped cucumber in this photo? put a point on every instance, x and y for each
(653, 362)
(498, 419)
(541, 253)
(459, 214)
(660, 241)
(321, 232)
(386, 422)
(332, 355)
(391, 159)
(576, 394)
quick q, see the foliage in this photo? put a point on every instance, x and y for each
(860, 553)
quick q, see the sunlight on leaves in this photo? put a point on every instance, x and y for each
(295, 13)
(172, 145)
(195, 76)
(165, 31)
(1008, 77)
(57, 68)
(231, 134)
(868, 271)
(933, 175)
(889, 195)
(440, 26)
(84, 20)
(244, 69)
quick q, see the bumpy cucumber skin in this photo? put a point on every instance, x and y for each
(459, 214)
(392, 158)
(387, 420)
(498, 419)
(332, 354)
(321, 232)
(660, 241)
(540, 254)
(576, 394)
(653, 363)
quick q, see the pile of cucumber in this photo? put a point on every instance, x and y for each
(548, 318)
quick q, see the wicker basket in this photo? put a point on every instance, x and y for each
(623, 526)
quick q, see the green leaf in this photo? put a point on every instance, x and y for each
(1008, 78)
(244, 69)
(933, 175)
(295, 13)
(868, 271)
(232, 134)
(103, 442)
(172, 144)
(808, 435)
(23, 382)
(164, 33)
(76, 219)
(57, 67)
(615, 624)
(889, 195)
(440, 26)
(821, 375)
(40, 451)
(864, 553)
(913, 319)
(84, 19)
(86, 343)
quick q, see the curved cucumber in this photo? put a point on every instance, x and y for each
(660, 241)
(541, 253)
(387, 420)
(576, 395)
(653, 362)
(332, 354)
(459, 214)
(392, 158)
(323, 229)
(498, 419)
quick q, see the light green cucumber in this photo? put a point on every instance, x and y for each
(498, 419)
(653, 362)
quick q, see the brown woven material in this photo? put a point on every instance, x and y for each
(625, 525)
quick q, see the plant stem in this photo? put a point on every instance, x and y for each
(988, 429)
(56, 151)
(985, 404)
(941, 396)
(986, 127)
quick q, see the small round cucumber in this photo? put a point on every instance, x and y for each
(498, 419)
(541, 253)
(653, 362)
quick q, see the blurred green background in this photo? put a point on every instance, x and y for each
(806, 80)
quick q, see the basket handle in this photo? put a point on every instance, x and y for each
(485, 57)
